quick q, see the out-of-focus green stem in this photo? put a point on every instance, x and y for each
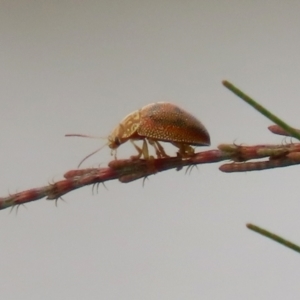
(294, 133)
(274, 237)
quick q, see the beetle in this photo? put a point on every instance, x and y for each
(158, 122)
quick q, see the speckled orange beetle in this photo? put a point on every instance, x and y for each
(155, 122)
(164, 122)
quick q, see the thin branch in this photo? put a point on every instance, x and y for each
(127, 170)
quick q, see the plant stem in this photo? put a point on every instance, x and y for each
(294, 133)
(274, 237)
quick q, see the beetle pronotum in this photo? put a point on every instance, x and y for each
(156, 122)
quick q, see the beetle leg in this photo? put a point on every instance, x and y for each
(139, 150)
(146, 151)
(160, 151)
(142, 151)
(185, 150)
(114, 153)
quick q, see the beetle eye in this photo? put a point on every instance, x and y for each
(117, 141)
(114, 143)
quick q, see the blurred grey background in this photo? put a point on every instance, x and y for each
(80, 67)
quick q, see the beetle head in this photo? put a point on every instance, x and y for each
(113, 142)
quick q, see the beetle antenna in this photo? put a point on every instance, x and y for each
(87, 136)
(94, 152)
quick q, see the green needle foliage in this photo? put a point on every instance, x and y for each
(274, 237)
(294, 133)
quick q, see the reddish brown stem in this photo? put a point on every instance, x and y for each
(278, 130)
(127, 170)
